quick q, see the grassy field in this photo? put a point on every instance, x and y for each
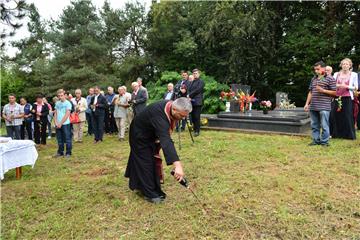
(254, 186)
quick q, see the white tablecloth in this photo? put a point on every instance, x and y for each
(16, 153)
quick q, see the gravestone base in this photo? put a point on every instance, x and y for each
(275, 121)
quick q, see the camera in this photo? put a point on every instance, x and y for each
(177, 90)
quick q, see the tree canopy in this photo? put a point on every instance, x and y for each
(270, 46)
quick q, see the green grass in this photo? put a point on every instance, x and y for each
(254, 186)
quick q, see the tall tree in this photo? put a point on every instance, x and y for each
(80, 53)
(33, 56)
(11, 14)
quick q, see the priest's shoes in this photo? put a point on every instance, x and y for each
(156, 200)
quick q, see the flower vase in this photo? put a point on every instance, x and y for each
(227, 106)
(265, 111)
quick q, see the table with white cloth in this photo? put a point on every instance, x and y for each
(15, 154)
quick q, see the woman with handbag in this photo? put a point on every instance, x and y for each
(120, 112)
(78, 117)
(40, 111)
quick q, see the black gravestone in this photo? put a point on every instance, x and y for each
(237, 87)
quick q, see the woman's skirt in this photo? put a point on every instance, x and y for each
(342, 119)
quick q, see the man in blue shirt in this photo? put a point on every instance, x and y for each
(62, 123)
(88, 112)
(169, 95)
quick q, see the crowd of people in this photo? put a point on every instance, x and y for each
(104, 113)
(333, 103)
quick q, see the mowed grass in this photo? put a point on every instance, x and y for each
(254, 187)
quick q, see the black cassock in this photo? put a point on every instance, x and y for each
(148, 126)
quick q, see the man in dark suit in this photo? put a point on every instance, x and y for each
(138, 98)
(98, 104)
(181, 90)
(196, 91)
(169, 95)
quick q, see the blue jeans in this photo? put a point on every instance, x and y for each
(320, 120)
(63, 136)
(14, 132)
(49, 127)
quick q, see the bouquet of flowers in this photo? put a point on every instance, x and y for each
(339, 104)
(321, 76)
(227, 96)
(265, 105)
(245, 100)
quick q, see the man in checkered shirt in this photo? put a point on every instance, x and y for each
(13, 114)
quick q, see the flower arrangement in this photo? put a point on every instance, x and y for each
(227, 96)
(246, 100)
(265, 106)
(284, 104)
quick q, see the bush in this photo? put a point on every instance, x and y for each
(212, 104)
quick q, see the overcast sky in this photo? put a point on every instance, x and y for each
(53, 8)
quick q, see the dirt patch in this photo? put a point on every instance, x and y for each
(97, 172)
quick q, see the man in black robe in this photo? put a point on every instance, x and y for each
(155, 122)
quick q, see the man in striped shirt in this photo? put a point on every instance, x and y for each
(321, 91)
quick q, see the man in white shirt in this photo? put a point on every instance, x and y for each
(13, 114)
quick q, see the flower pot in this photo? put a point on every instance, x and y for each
(265, 111)
(227, 107)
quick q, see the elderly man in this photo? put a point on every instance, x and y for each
(88, 112)
(139, 81)
(153, 125)
(329, 70)
(138, 98)
(169, 95)
(110, 126)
